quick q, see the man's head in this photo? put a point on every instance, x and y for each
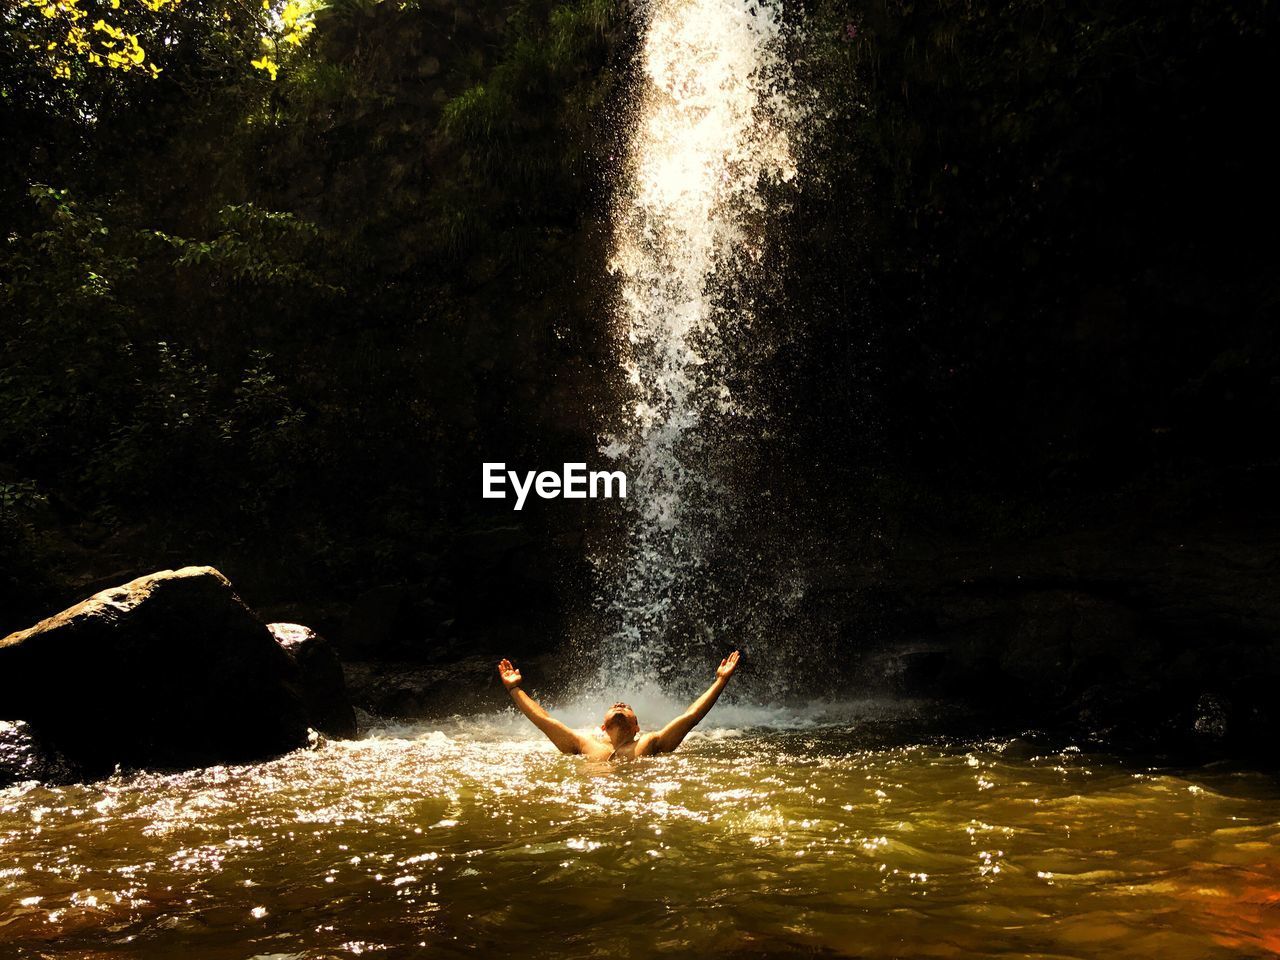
(620, 723)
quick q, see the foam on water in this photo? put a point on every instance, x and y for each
(654, 708)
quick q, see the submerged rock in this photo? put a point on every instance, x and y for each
(168, 670)
(319, 677)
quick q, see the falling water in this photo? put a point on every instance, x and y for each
(713, 128)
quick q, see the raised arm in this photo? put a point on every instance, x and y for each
(673, 734)
(565, 739)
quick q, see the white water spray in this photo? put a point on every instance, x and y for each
(713, 128)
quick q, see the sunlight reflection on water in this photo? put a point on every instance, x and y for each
(475, 837)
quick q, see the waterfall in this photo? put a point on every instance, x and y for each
(713, 122)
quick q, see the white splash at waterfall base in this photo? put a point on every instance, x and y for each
(713, 128)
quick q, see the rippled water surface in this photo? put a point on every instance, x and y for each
(477, 839)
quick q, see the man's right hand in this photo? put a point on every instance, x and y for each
(509, 674)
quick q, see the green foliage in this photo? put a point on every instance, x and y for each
(65, 327)
(273, 317)
(477, 114)
(525, 139)
(254, 246)
(266, 420)
(101, 408)
(19, 498)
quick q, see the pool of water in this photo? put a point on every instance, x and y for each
(773, 834)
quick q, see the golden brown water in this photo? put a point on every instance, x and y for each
(477, 839)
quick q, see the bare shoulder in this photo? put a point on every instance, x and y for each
(593, 749)
(647, 744)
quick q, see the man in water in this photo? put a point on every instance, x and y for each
(626, 742)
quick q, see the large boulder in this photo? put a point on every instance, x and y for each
(319, 677)
(169, 670)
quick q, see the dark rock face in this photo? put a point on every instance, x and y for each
(455, 608)
(169, 670)
(394, 622)
(1152, 641)
(23, 756)
(415, 690)
(319, 678)
(419, 691)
